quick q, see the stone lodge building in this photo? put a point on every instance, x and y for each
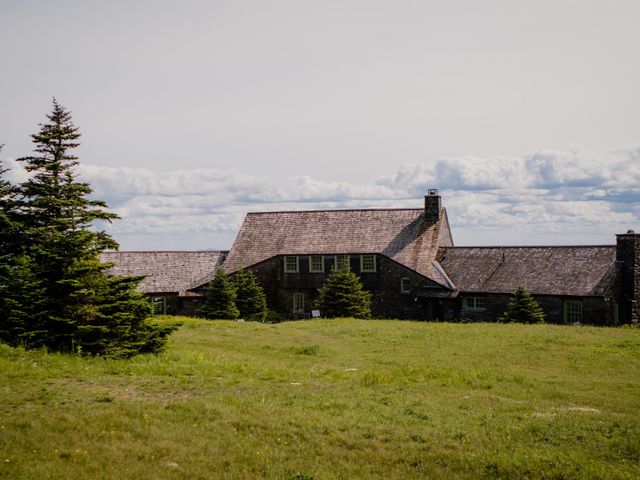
(407, 260)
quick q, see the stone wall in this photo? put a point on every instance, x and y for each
(387, 299)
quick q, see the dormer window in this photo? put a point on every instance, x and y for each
(291, 264)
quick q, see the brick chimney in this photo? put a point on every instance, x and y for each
(432, 204)
(628, 254)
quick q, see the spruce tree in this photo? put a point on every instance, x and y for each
(250, 297)
(523, 308)
(21, 292)
(342, 295)
(77, 310)
(220, 298)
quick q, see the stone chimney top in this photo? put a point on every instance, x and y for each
(432, 205)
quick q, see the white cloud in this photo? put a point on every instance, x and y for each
(548, 196)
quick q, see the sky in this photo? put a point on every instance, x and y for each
(524, 114)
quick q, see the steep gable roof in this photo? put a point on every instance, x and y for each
(165, 272)
(400, 234)
(577, 270)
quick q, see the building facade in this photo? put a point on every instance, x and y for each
(407, 260)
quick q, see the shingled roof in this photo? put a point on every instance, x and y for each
(575, 271)
(400, 234)
(166, 272)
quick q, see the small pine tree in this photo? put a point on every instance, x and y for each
(220, 298)
(523, 308)
(343, 295)
(250, 297)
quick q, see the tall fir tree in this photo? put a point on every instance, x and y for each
(523, 308)
(342, 295)
(220, 298)
(250, 297)
(57, 216)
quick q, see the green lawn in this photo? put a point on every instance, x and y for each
(331, 399)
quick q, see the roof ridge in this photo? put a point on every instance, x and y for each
(337, 210)
(164, 251)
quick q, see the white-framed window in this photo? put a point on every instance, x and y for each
(474, 303)
(342, 262)
(572, 311)
(291, 264)
(316, 264)
(367, 263)
(298, 302)
(159, 305)
(404, 285)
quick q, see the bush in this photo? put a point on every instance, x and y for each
(274, 317)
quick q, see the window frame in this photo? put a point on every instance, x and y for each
(362, 263)
(298, 298)
(572, 316)
(474, 304)
(286, 266)
(311, 258)
(404, 285)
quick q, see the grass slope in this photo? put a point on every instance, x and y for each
(331, 399)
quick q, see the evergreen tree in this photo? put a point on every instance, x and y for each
(81, 307)
(343, 295)
(523, 308)
(220, 298)
(250, 297)
(119, 327)
(21, 292)
(22, 298)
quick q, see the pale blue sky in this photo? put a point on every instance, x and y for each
(337, 91)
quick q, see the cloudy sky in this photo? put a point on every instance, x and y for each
(523, 113)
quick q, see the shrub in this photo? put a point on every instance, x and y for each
(274, 317)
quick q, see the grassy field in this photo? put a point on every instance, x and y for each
(331, 399)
